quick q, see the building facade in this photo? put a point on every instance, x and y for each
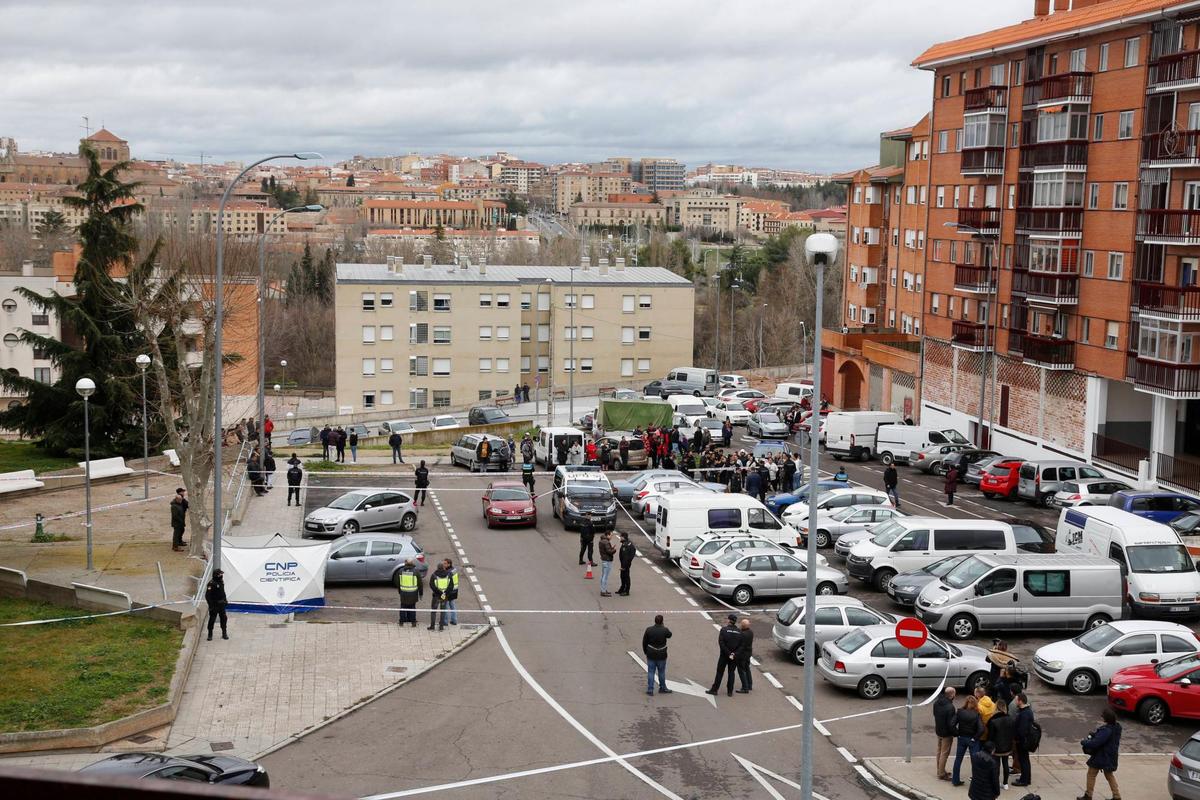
(580, 186)
(427, 336)
(605, 214)
(432, 213)
(662, 174)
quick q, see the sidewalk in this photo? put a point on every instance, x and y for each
(1055, 777)
(270, 513)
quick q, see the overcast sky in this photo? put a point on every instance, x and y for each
(786, 83)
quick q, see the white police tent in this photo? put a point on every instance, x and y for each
(274, 574)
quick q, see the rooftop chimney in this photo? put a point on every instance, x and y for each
(27, 269)
(464, 263)
(1041, 8)
(585, 262)
(620, 265)
(604, 266)
(483, 266)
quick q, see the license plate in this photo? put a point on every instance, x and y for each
(1194, 775)
(513, 519)
(1179, 609)
(313, 527)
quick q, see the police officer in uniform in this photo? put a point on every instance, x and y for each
(408, 583)
(728, 642)
(452, 595)
(421, 475)
(214, 595)
(527, 474)
(439, 587)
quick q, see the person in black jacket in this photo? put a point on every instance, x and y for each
(587, 543)
(295, 476)
(744, 652)
(421, 474)
(214, 595)
(625, 555)
(1102, 746)
(654, 647)
(179, 507)
(891, 482)
(1021, 725)
(1000, 732)
(268, 465)
(728, 641)
(970, 728)
(985, 778)
(944, 715)
(394, 442)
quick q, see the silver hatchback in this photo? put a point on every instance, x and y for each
(375, 557)
(835, 617)
(1183, 776)
(363, 510)
(742, 575)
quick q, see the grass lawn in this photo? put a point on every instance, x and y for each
(77, 674)
(25, 455)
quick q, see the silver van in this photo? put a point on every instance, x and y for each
(1062, 591)
(1039, 480)
(691, 380)
(466, 451)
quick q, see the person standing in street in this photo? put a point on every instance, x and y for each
(726, 434)
(353, 441)
(891, 480)
(294, 461)
(1023, 739)
(728, 641)
(254, 472)
(753, 483)
(1102, 747)
(607, 551)
(394, 442)
(525, 391)
(944, 725)
(625, 555)
(408, 583)
(214, 596)
(268, 428)
(527, 476)
(439, 591)
(268, 465)
(623, 452)
(452, 595)
(421, 476)
(970, 728)
(295, 476)
(587, 543)
(326, 439)
(744, 652)
(179, 507)
(654, 648)
(340, 445)
(985, 777)
(1000, 733)
(951, 485)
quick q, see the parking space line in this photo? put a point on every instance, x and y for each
(656, 569)
(668, 579)
(799, 706)
(693, 602)
(715, 625)
(755, 661)
(817, 724)
(771, 679)
(681, 591)
(846, 754)
(482, 597)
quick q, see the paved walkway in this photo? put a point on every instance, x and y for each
(270, 513)
(1055, 777)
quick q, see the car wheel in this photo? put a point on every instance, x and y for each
(837, 457)
(1043, 500)
(798, 652)
(979, 680)
(871, 687)
(696, 393)
(488, 521)
(1153, 711)
(989, 495)
(962, 627)
(1082, 681)
(742, 595)
(826, 588)
(822, 538)
(883, 579)
(939, 469)
(1096, 620)
(408, 521)
(554, 510)
(887, 458)
(349, 527)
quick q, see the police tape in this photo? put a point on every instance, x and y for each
(523, 611)
(124, 611)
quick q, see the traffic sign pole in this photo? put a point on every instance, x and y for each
(908, 719)
(911, 634)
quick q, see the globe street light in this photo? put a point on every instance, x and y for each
(85, 388)
(283, 366)
(143, 361)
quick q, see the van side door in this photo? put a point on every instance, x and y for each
(912, 550)
(997, 604)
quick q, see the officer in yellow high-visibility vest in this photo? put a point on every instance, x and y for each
(452, 595)
(408, 583)
(439, 586)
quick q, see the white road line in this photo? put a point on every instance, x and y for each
(715, 625)
(799, 706)
(646, 560)
(870, 779)
(681, 591)
(669, 579)
(461, 552)
(693, 602)
(706, 615)
(656, 569)
(470, 570)
(482, 597)
(755, 661)
(771, 679)
(488, 609)
(846, 754)
(817, 724)
(465, 560)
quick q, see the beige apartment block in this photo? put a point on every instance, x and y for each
(572, 187)
(427, 336)
(617, 214)
(704, 208)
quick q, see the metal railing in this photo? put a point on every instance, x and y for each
(1054, 154)
(1046, 285)
(1050, 220)
(1175, 380)
(970, 278)
(1180, 226)
(1117, 453)
(1066, 86)
(1048, 352)
(1171, 146)
(1175, 68)
(1181, 302)
(971, 335)
(979, 218)
(986, 160)
(985, 97)
(1178, 473)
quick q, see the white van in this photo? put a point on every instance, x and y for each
(690, 407)
(681, 517)
(1160, 576)
(544, 448)
(1054, 592)
(896, 443)
(794, 391)
(691, 380)
(851, 434)
(906, 544)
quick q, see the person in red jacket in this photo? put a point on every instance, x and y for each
(268, 427)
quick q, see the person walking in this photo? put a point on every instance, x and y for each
(970, 728)
(353, 442)
(726, 434)
(1102, 747)
(214, 596)
(452, 595)
(421, 476)
(1000, 732)
(394, 442)
(625, 555)
(1023, 739)
(744, 652)
(728, 641)
(268, 468)
(326, 437)
(654, 648)
(527, 475)
(439, 589)
(179, 507)
(295, 476)
(408, 583)
(951, 485)
(753, 483)
(985, 777)
(891, 480)
(945, 727)
(607, 551)
(527, 449)
(587, 543)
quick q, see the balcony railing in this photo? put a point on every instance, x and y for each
(1175, 302)
(983, 98)
(1171, 148)
(982, 161)
(969, 336)
(1115, 453)
(984, 220)
(1159, 377)
(1066, 87)
(1050, 220)
(1070, 155)
(1048, 352)
(1180, 473)
(1050, 287)
(968, 278)
(1175, 70)
(1169, 226)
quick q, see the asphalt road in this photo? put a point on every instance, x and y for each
(546, 689)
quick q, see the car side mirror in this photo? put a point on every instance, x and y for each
(368, 507)
(1185, 681)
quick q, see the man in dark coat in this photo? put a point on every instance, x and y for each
(295, 476)
(587, 543)
(744, 652)
(421, 476)
(179, 507)
(214, 596)
(654, 647)
(625, 555)
(268, 468)
(394, 442)
(891, 482)
(326, 440)
(728, 641)
(951, 485)
(944, 722)
(985, 774)
(1022, 725)
(1102, 746)
(753, 483)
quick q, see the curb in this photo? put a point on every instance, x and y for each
(295, 737)
(887, 780)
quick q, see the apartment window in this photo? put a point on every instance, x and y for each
(485, 333)
(940, 197)
(503, 301)
(893, 277)
(1015, 136)
(1103, 65)
(441, 367)
(1125, 125)
(935, 303)
(943, 141)
(526, 362)
(485, 365)
(385, 299)
(626, 367)
(1093, 195)
(1121, 196)
(1111, 332)
(910, 195)
(643, 365)
(626, 335)
(441, 334)
(569, 333)
(966, 308)
(386, 365)
(895, 237)
(502, 364)
(526, 301)
(503, 333)
(997, 76)
(918, 282)
(628, 303)
(486, 394)
(920, 240)
(387, 398)
(1018, 72)
(418, 398)
(441, 302)
(418, 365)
(543, 301)
(643, 334)
(1116, 266)
(924, 195)
(1086, 331)
(891, 318)
(1078, 60)
(526, 333)
(908, 281)
(418, 333)
(957, 195)
(852, 312)
(1012, 196)
(543, 363)
(588, 301)
(946, 86)
(585, 365)
(950, 306)
(41, 374)
(418, 301)
(368, 399)
(485, 301)
(368, 301)
(858, 195)
(387, 333)
(1003, 316)
(854, 273)
(568, 365)
(441, 398)
(587, 333)
(368, 334)
(1132, 47)
(569, 301)
(368, 366)
(1089, 263)
(1098, 128)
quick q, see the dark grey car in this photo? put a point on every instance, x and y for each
(905, 587)
(373, 557)
(580, 502)
(204, 768)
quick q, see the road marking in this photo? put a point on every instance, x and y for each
(715, 625)
(488, 609)
(870, 779)
(482, 597)
(799, 706)
(470, 570)
(817, 724)
(656, 569)
(757, 771)
(465, 560)
(669, 579)
(771, 679)
(693, 602)
(461, 552)
(648, 561)
(691, 687)
(681, 591)
(706, 615)
(754, 661)
(846, 754)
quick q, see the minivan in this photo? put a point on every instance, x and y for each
(690, 380)
(1158, 506)
(794, 391)
(1160, 576)
(545, 447)
(909, 543)
(1036, 592)
(851, 434)
(681, 517)
(466, 451)
(1038, 481)
(896, 443)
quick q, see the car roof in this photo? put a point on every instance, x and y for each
(139, 763)
(1143, 493)
(399, 538)
(855, 490)
(1090, 481)
(506, 485)
(1141, 626)
(774, 550)
(831, 600)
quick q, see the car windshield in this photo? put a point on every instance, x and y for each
(510, 494)
(998, 470)
(768, 416)
(842, 513)
(888, 532)
(939, 568)
(575, 491)
(710, 423)
(966, 573)
(1160, 558)
(852, 641)
(1097, 639)
(348, 502)
(734, 405)
(1187, 523)
(789, 612)
(441, 423)
(1178, 666)
(729, 556)
(694, 544)
(955, 437)
(691, 411)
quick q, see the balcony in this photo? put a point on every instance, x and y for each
(1066, 155)
(986, 98)
(1178, 473)
(969, 278)
(1175, 71)
(1169, 302)
(1069, 87)
(1050, 220)
(1048, 352)
(971, 336)
(982, 161)
(1180, 381)
(1056, 288)
(1168, 226)
(1171, 148)
(985, 221)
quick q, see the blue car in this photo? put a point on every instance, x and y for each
(781, 500)
(1158, 506)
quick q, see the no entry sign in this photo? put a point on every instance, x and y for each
(911, 633)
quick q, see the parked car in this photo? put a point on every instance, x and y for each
(933, 458)
(906, 587)
(797, 513)
(767, 425)
(732, 410)
(626, 394)
(653, 389)
(508, 503)
(203, 768)
(625, 489)
(1183, 776)
(467, 452)
(976, 468)
(302, 436)
(1030, 536)
(770, 448)
(1001, 479)
(357, 427)
(374, 557)
(1087, 492)
(656, 487)
(363, 510)
(712, 544)
(1188, 523)
(712, 427)
(1158, 506)
(742, 575)
(734, 382)
(586, 501)
(781, 500)
(732, 393)
(400, 426)
(846, 542)
(872, 662)
(486, 415)
(637, 456)
(1157, 692)
(964, 460)
(832, 524)
(443, 422)
(1039, 480)
(835, 617)
(1088, 661)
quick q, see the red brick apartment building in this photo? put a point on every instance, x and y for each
(1049, 216)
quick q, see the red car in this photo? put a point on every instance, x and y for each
(1157, 691)
(508, 503)
(1000, 479)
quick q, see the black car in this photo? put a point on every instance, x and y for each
(1186, 523)
(580, 502)
(226, 770)
(1030, 536)
(486, 415)
(653, 389)
(964, 459)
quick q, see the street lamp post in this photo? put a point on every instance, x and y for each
(733, 286)
(571, 347)
(86, 387)
(283, 366)
(717, 326)
(278, 400)
(218, 348)
(803, 349)
(143, 361)
(550, 354)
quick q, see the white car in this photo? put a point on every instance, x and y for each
(734, 382)
(657, 487)
(709, 546)
(834, 523)
(688, 416)
(740, 394)
(731, 410)
(1087, 492)
(363, 510)
(444, 422)
(1089, 661)
(797, 513)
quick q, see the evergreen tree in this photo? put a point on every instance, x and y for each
(350, 180)
(271, 185)
(266, 189)
(53, 224)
